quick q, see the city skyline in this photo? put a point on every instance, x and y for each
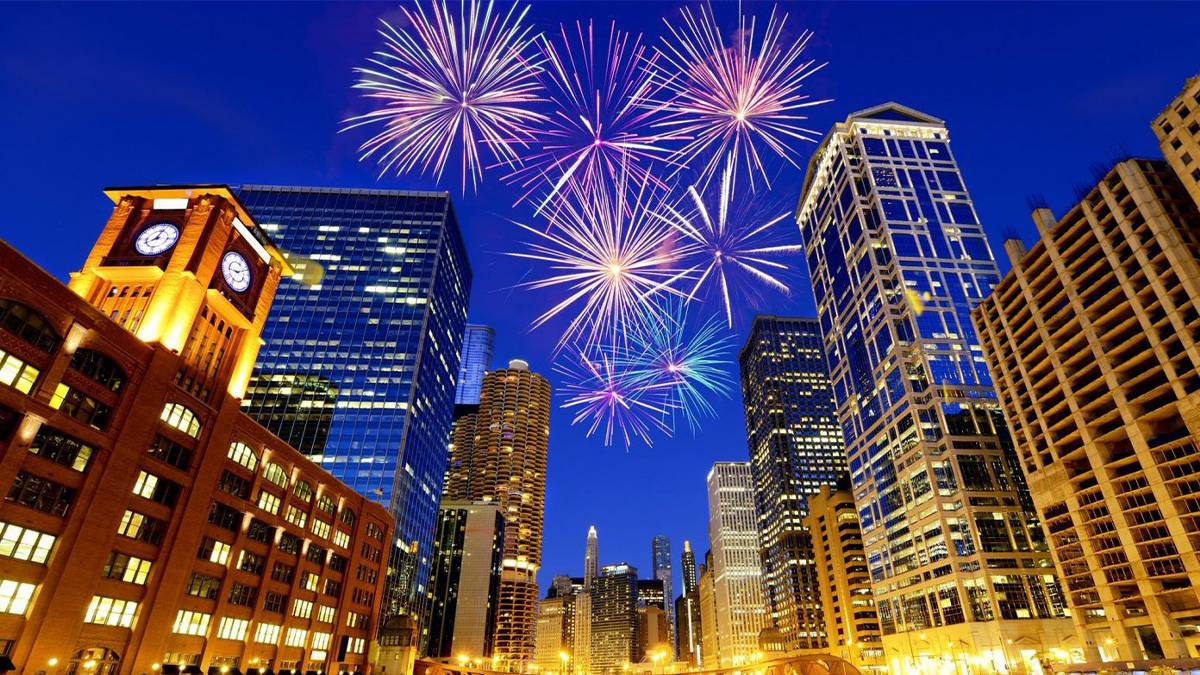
(567, 512)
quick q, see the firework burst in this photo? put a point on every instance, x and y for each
(603, 105)
(451, 84)
(685, 365)
(604, 396)
(730, 239)
(729, 100)
(611, 256)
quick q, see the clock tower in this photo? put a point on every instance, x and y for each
(186, 267)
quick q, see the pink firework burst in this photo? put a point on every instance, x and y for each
(606, 397)
(451, 84)
(730, 100)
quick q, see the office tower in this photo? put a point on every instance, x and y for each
(370, 334)
(145, 515)
(477, 346)
(581, 658)
(660, 557)
(710, 642)
(498, 454)
(591, 558)
(1178, 130)
(614, 619)
(464, 580)
(1091, 340)
(736, 567)
(563, 585)
(688, 565)
(687, 628)
(851, 621)
(650, 593)
(795, 448)
(555, 634)
(898, 259)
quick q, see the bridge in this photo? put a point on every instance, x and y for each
(808, 664)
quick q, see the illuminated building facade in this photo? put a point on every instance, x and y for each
(795, 449)
(614, 619)
(710, 639)
(464, 580)
(477, 346)
(851, 622)
(898, 259)
(687, 611)
(498, 455)
(660, 557)
(147, 520)
(1092, 340)
(591, 557)
(736, 567)
(1178, 130)
(366, 331)
(555, 634)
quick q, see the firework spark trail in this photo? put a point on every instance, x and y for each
(687, 365)
(447, 85)
(603, 395)
(728, 100)
(603, 108)
(728, 238)
(611, 256)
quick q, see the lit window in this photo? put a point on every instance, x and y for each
(242, 454)
(131, 524)
(188, 622)
(144, 487)
(309, 582)
(268, 502)
(23, 543)
(126, 568)
(181, 418)
(295, 516)
(214, 551)
(302, 609)
(16, 373)
(320, 528)
(275, 474)
(303, 491)
(110, 611)
(326, 614)
(341, 539)
(266, 633)
(14, 596)
(232, 629)
(357, 645)
(295, 637)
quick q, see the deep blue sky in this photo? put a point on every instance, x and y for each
(96, 95)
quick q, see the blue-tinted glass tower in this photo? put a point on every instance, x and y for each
(898, 259)
(478, 344)
(660, 554)
(361, 350)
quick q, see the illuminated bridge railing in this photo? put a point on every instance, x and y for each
(808, 664)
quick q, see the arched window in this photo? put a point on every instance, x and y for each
(303, 491)
(181, 418)
(26, 323)
(99, 368)
(275, 474)
(348, 517)
(326, 505)
(244, 455)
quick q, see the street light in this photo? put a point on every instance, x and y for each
(565, 658)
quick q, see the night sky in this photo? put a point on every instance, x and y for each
(95, 95)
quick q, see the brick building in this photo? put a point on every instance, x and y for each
(147, 521)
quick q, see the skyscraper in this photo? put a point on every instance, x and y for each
(736, 568)
(795, 448)
(687, 611)
(614, 619)
(498, 454)
(1091, 338)
(1178, 130)
(477, 346)
(897, 259)
(591, 558)
(464, 579)
(555, 634)
(688, 565)
(710, 639)
(367, 331)
(660, 555)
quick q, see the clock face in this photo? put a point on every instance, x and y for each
(236, 271)
(156, 239)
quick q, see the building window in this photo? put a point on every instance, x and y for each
(326, 505)
(40, 493)
(252, 563)
(214, 551)
(341, 539)
(171, 452)
(80, 406)
(141, 527)
(326, 614)
(315, 554)
(274, 602)
(27, 324)
(24, 543)
(243, 595)
(266, 633)
(188, 622)
(203, 586)
(337, 563)
(181, 418)
(14, 596)
(354, 645)
(260, 531)
(275, 474)
(156, 489)
(58, 447)
(295, 637)
(110, 611)
(333, 588)
(320, 528)
(244, 455)
(309, 581)
(347, 517)
(303, 491)
(283, 573)
(126, 568)
(302, 609)
(98, 368)
(232, 629)
(295, 516)
(268, 502)
(289, 543)
(224, 516)
(234, 484)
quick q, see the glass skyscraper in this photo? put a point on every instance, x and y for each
(795, 448)
(660, 553)
(477, 346)
(362, 347)
(898, 259)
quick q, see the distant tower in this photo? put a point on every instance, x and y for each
(689, 567)
(591, 556)
(614, 619)
(660, 556)
(736, 568)
(478, 344)
(514, 414)
(687, 611)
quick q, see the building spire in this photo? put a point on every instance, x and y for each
(591, 557)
